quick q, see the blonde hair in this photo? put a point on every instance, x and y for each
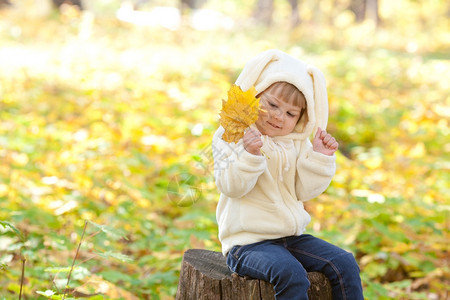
(289, 93)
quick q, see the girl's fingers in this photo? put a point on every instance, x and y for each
(318, 133)
(253, 132)
(254, 136)
(334, 145)
(253, 141)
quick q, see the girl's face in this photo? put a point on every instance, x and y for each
(279, 117)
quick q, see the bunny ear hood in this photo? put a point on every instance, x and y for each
(274, 66)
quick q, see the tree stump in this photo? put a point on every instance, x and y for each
(204, 276)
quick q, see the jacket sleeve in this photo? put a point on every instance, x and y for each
(235, 170)
(314, 173)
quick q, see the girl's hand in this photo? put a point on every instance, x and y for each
(324, 143)
(252, 141)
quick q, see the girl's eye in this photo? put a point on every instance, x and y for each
(291, 115)
(272, 104)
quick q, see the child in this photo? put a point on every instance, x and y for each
(260, 213)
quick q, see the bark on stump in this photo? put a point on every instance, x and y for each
(204, 275)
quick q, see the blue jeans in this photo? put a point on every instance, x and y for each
(284, 262)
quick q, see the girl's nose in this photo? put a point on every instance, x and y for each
(278, 115)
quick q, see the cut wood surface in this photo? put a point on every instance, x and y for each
(205, 275)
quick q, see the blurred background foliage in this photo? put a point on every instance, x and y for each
(107, 114)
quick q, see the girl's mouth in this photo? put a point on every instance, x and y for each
(273, 125)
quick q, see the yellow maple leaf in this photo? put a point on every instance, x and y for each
(239, 112)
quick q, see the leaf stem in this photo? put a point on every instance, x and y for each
(22, 278)
(75, 258)
(264, 153)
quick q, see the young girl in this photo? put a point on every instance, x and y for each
(260, 213)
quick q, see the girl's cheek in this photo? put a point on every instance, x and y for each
(262, 115)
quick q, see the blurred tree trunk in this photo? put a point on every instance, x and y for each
(263, 11)
(192, 4)
(358, 7)
(4, 3)
(137, 4)
(372, 11)
(184, 4)
(295, 16)
(58, 3)
(365, 9)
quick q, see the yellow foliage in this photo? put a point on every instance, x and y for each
(19, 159)
(373, 162)
(97, 285)
(417, 151)
(238, 113)
(3, 190)
(400, 248)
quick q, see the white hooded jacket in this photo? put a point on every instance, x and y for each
(262, 196)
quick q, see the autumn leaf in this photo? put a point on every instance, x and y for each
(239, 112)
